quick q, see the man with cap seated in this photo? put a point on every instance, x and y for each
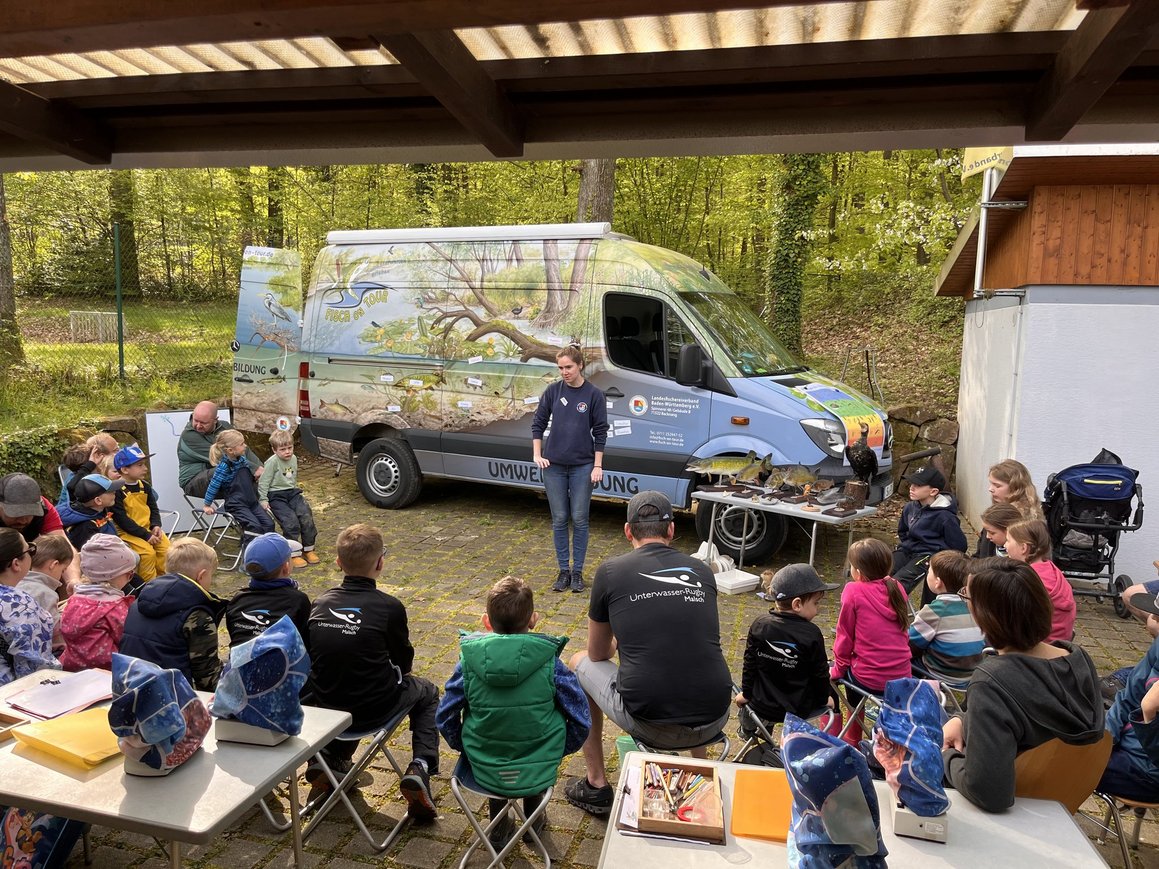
(24, 509)
(271, 593)
(656, 607)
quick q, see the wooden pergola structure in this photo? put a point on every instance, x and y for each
(92, 83)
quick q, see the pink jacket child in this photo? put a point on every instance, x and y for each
(872, 644)
(94, 618)
(1029, 541)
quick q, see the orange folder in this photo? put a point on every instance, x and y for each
(761, 804)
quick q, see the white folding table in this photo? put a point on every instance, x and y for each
(193, 804)
(793, 511)
(1031, 833)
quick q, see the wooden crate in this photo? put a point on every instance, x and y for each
(670, 825)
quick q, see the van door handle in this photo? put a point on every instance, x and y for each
(613, 393)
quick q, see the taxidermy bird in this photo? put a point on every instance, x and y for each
(862, 459)
(278, 312)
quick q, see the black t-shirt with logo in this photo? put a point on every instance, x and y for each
(661, 605)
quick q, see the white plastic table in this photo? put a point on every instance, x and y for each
(193, 804)
(1032, 833)
(793, 511)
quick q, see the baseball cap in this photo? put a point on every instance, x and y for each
(928, 475)
(105, 557)
(92, 485)
(130, 455)
(1146, 602)
(266, 553)
(796, 580)
(649, 507)
(21, 496)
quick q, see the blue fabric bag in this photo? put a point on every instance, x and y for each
(159, 720)
(835, 815)
(911, 724)
(260, 684)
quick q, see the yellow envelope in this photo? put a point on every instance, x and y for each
(83, 739)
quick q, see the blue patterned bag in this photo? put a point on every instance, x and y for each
(261, 683)
(908, 743)
(157, 716)
(835, 814)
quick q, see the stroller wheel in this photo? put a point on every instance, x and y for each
(1121, 584)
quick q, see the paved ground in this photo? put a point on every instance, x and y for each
(444, 552)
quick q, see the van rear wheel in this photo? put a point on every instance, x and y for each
(765, 534)
(388, 473)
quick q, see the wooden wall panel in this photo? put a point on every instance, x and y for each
(1079, 234)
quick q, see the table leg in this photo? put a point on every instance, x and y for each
(296, 820)
(175, 854)
(744, 535)
(813, 543)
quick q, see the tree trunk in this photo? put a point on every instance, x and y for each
(244, 180)
(11, 348)
(275, 216)
(121, 210)
(800, 190)
(597, 191)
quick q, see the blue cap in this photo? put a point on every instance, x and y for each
(266, 553)
(130, 455)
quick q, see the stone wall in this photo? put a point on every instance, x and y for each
(918, 428)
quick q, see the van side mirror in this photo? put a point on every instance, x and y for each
(690, 368)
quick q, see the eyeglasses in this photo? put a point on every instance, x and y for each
(30, 551)
(964, 593)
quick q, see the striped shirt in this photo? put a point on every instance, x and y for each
(947, 633)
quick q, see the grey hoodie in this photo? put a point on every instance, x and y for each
(1015, 703)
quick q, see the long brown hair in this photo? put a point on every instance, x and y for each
(873, 560)
(1022, 493)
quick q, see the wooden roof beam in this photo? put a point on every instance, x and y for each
(1105, 44)
(59, 128)
(443, 65)
(64, 26)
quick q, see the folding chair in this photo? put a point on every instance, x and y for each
(953, 690)
(378, 738)
(1139, 809)
(220, 530)
(860, 711)
(463, 779)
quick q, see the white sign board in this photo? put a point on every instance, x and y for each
(164, 431)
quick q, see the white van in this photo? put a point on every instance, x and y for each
(423, 352)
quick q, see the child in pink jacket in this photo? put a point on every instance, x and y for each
(1029, 542)
(872, 644)
(94, 619)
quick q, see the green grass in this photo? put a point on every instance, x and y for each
(175, 355)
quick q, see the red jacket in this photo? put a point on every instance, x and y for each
(92, 629)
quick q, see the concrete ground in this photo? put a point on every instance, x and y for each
(444, 552)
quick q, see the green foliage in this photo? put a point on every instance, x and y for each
(34, 451)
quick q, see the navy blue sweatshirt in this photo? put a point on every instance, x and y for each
(926, 530)
(579, 423)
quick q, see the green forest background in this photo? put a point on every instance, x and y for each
(836, 251)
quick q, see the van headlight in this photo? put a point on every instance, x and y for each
(827, 434)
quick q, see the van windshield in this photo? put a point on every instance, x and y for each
(747, 340)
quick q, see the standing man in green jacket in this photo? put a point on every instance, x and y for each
(193, 468)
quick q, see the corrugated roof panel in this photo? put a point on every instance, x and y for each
(183, 59)
(322, 51)
(285, 54)
(116, 62)
(152, 61)
(249, 55)
(372, 57)
(214, 57)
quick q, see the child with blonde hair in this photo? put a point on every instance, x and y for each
(872, 645)
(1029, 542)
(279, 493)
(234, 481)
(1010, 483)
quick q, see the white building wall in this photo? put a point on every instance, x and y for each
(1085, 375)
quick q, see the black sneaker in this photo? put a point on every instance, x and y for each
(416, 789)
(501, 834)
(596, 801)
(562, 581)
(577, 581)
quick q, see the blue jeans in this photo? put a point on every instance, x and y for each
(569, 495)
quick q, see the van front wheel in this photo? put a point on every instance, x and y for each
(765, 533)
(388, 473)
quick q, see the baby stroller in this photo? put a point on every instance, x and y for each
(1087, 507)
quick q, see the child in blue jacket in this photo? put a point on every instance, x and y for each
(928, 524)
